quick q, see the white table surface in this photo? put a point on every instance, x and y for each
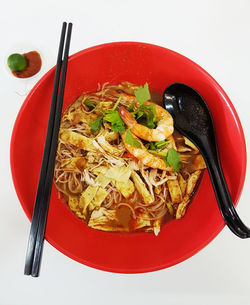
(216, 35)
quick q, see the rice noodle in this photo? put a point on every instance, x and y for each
(109, 152)
(152, 173)
(74, 185)
(104, 85)
(88, 179)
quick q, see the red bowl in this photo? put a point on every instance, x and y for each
(123, 252)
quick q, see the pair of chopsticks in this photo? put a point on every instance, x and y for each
(39, 217)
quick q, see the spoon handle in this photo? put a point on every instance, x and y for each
(222, 194)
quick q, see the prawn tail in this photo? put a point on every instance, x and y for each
(127, 117)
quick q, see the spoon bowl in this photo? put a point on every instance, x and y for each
(193, 119)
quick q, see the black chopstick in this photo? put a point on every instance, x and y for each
(43, 171)
(50, 171)
(39, 218)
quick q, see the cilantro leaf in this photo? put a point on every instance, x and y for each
(111, 116)
(157, 145)
(114, 118)
(117, 102)
(142, 94)
(158, 153)
(129, 139)
(96, 124)
(131, 107)
(161, 144)
(149, 117)
(87, 102)
(144, 114)
(173, 159)
(137, 113)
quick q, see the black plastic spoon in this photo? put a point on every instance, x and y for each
(193, 119)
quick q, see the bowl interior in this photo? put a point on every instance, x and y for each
(122, 252)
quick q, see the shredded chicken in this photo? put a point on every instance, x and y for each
(107, 186)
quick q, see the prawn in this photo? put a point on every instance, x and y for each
(163, 130)
(144, 156)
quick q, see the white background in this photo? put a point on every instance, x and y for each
(216, 35)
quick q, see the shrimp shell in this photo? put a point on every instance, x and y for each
(144, 156)
(164, 129)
